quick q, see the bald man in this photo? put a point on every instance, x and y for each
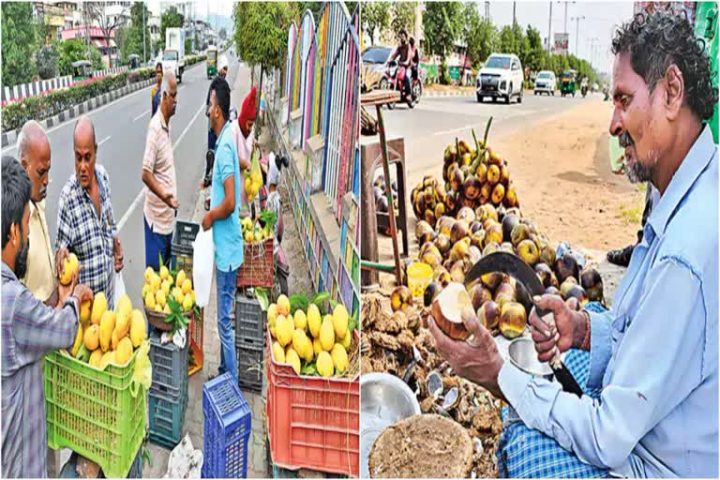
(86, 224)
(34, 153)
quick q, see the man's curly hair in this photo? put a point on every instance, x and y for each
(661, 39)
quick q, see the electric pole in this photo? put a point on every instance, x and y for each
(549, 41)
(577, 31)
(565, 29)
(144, 27)
(514, 14)
(487, 11)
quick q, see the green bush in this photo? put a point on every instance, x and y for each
(14, 115)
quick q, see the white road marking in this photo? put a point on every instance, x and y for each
(141, 195)
(141, 115)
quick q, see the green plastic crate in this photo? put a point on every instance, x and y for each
(93, 413)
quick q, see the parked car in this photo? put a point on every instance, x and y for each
(376, 58)
(501, 76)
(545, 82)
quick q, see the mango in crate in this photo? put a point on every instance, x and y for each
(107, 358)
(124, 351)
(339, 358)
(324, 364)
(85, 311)
(317, 346)
(314, 320)
(293, 359)
(340, 321)
(95, 358)
(122, 322)
(138, 329)
(78, 341)
(91, 337)
(124, 305)
(181, 277)
(107, 325)
(278, 353)
(300, 319)
(99, 307)
(283, 305)
(327, 334)
(283, 330)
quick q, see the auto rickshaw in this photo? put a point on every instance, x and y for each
(82, 70)
(133, 61)
(568, 83)
(212, 56)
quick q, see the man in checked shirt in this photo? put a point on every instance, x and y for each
(86, 224)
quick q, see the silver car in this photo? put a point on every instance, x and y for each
(545, 82)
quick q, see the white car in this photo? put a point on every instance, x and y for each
(501, 76)
(545, 82)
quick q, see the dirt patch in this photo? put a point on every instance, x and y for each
(561, 170)
(423, 446)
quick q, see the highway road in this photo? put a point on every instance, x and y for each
(120, 129)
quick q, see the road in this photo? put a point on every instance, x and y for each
(435, 122)
(120, 129)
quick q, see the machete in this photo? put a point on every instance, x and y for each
(514, 266)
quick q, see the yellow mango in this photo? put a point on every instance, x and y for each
(339, 358)
(91, 337)
(300, 320)
(324, 365)
(107, 325)
(95, 358)
(340, 321)
(278, 353)
(98, 308)
(293, 359)
(138, 329)
(327, 334)
(314, 320)
(124, 351)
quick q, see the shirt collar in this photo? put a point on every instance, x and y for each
(7, 273)
(163, 123)
(692, 166)
(101, 185)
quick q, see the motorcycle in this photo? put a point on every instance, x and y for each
(394, 79)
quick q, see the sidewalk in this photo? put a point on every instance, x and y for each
(257, 455)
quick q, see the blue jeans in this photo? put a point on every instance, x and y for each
(156, 245)
(226, 286)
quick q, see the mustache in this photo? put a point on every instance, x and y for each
(625, 140)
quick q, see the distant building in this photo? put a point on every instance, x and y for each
(97, 40)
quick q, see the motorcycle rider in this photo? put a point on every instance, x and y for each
(414, 62)
(402, 53)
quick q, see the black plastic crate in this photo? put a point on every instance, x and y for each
(169, 367)
(166, 417)
(250, 321)
(181, 247)
(250, 367)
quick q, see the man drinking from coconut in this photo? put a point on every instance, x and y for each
(650, 407)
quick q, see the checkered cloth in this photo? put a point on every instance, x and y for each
(91, 238)
(527, 453)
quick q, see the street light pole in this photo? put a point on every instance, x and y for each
(577, 32)
(144, 27)
(550, 29)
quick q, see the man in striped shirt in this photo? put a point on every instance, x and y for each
(30, 329)
(86, 224)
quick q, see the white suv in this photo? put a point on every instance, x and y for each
(545, 82)
(501, 76)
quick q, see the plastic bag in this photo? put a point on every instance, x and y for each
(119, 288)
(203, 264)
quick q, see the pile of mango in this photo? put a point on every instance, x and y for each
(106, 336)
(311, 343)
(253, 232)
(159, 286)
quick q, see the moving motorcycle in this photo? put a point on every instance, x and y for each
(394, 79)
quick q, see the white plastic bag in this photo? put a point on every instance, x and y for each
(119, 289)
(203, 264)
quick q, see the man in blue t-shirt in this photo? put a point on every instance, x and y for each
(224, 219)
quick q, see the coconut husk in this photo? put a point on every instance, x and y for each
(422, 446)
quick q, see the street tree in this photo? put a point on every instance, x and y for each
(18, 43)
(443, 26)
(403, 16)
(108, 24)
(47, 62)
(480, 36)
(536, 52)
(261, 31)
(375, 17)
(136, 33)
(170, 18)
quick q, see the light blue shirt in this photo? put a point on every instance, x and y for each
(227, 235)
(656, 354)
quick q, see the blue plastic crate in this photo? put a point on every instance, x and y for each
(228, 422)
(166, 418)
(169, 366)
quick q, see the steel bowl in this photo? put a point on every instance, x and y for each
(523, 355)
(384, 399)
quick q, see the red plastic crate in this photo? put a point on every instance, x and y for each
(258, 267)
(195, 329)
(313, 422)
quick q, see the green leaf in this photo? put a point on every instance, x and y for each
(309, 369)
(298, 301)
(262, 296)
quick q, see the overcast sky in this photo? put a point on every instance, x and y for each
(600, 20)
